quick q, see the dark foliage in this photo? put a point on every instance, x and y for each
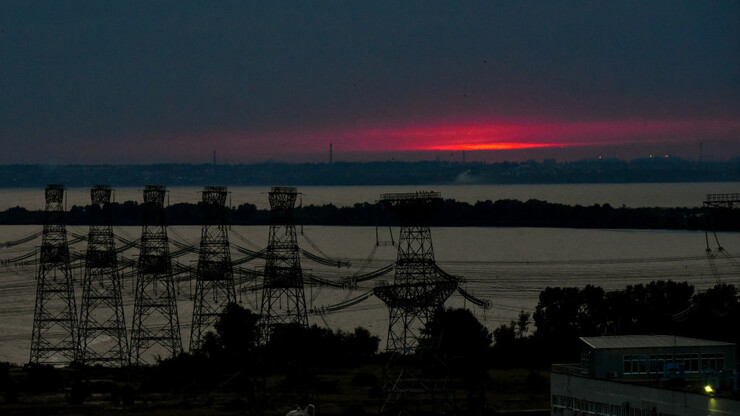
(660, 307)
(295, 348)
(512, 347)
(234, 352)
(237, 334)
(461, 341)
(502, 213)
(454, 341)
(43, 378)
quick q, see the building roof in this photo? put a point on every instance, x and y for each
(648, 341)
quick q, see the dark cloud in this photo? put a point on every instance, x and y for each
(125, 72)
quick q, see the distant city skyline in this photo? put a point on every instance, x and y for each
(143, 82)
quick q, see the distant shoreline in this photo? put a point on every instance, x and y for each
(501, 213)
(426, 173)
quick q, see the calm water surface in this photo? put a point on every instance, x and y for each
(508, 266)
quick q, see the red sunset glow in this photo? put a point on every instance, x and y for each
(451, 137)
(495, 146)
(532, 134)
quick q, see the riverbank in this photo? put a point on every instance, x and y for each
(501, 213)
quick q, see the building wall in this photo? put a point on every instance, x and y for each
(576, 395)
(603, 362)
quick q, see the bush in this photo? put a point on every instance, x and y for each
(43, 378)
(365, 379)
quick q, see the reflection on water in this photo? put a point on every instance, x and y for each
(508, 266)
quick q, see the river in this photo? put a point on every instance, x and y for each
(507, 266)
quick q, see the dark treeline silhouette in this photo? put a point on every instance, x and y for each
(296, 365)
(502, 213)
(301, 364)
(658, 169)
(661, 307)
(234, 360)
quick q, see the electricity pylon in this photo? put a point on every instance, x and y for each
(155, 323)
(283, 299)
(54, 319)
(102, 329)
(419, 288)
(214, 287)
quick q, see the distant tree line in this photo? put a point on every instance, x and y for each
(502, 213)
(657, 169)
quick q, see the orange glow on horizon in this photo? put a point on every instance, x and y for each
(494, 146)
(489, 135)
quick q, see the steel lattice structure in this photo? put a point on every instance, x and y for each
(155, 324)
(214, 287)
(102, 329)
(722, 200)
(283, 299)
(54, 320)
(417, 291)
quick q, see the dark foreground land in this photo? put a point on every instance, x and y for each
(471, 369)
(237, 370)
(484, 373)
(349, 391)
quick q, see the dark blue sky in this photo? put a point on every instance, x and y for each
(106, 81)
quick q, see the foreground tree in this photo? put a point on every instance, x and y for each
(463, 344)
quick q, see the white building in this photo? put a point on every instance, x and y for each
(647, 375)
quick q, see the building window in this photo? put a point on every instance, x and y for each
(636, 364)
(690, 362)
(656, 364)
(585, 358)
(712, 361)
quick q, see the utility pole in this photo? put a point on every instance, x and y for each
(418, 290)
(214, 287)
(283, 299)
(156, 323)
(54, 319)
(55, 313)
(103, 338)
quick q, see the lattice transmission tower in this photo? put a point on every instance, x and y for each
(55, 314)
(729, 201)
(418, 288)
(412, 378)
(214, 287)
(102, 329)
(155, 325)
(283, 299)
